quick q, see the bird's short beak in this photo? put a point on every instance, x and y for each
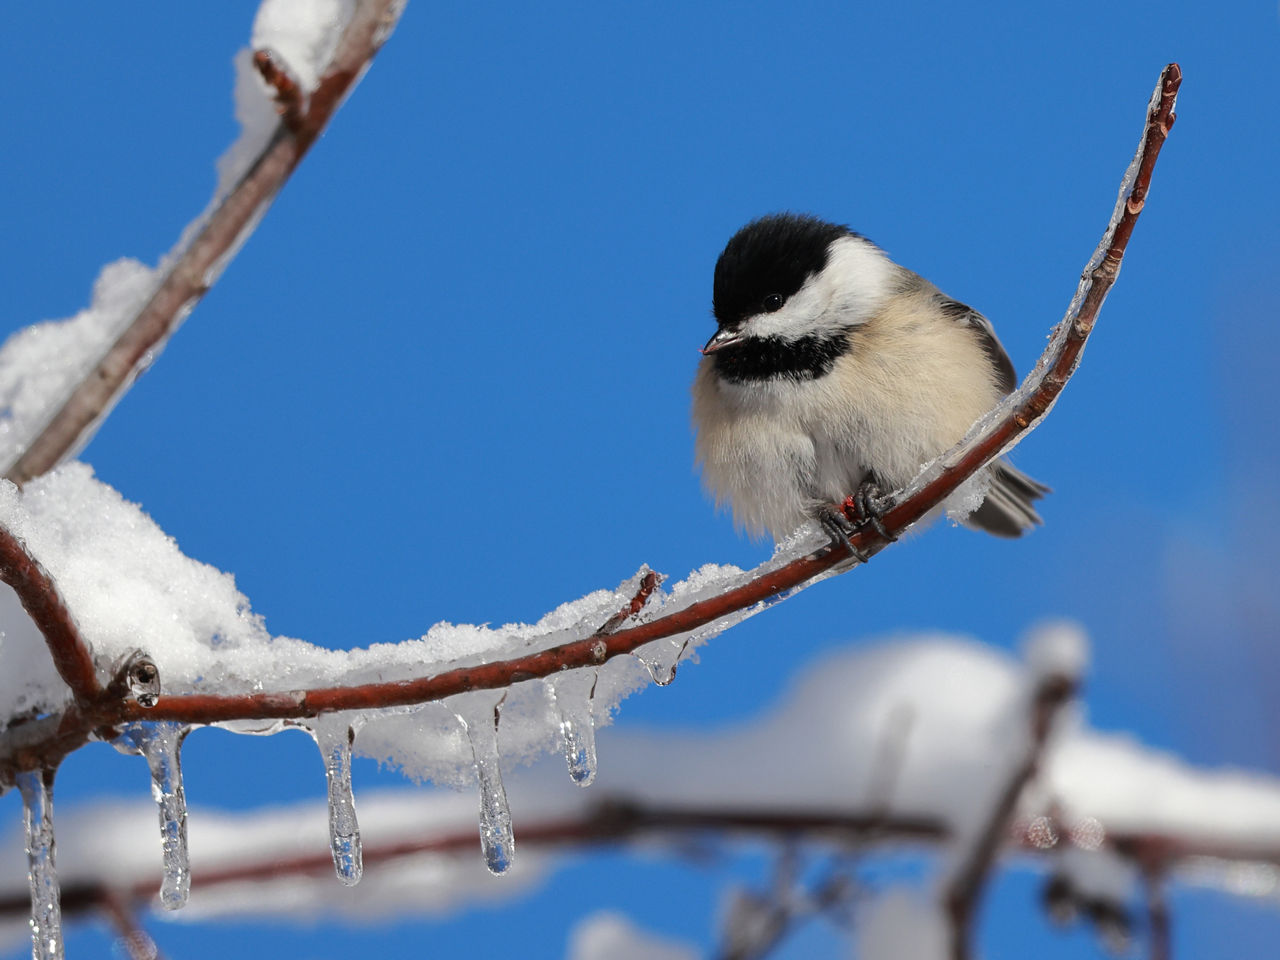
(723, 338)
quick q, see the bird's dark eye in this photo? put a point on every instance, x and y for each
(772, 303)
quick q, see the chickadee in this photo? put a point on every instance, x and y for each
(836, 372)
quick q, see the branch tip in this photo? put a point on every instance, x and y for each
(291, 102)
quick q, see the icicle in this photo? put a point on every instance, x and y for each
(573, 694)
(160, 744)
(661, 659)
(497, 842)
(335, 735)
(37, 821)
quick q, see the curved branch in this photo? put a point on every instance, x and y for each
(195, 271)
(999, 431)
(1006, 425)
(40, 597)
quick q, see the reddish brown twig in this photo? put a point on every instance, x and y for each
(137, 944)
(1159, 939)
(39, 596)
(192, 274)
(618, 821)
(969, 879)
(291, 101)
(648, 583)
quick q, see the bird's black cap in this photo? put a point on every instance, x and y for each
(773, 255)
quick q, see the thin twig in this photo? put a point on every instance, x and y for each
(222, 234)
(136, 942)
(1160, 943)
(648, 583)
(291, 101)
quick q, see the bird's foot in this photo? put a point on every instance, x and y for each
(865, 507)
(835, 520)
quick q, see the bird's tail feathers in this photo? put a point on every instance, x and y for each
(1008, 509)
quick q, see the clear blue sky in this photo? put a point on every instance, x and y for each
(448, 376)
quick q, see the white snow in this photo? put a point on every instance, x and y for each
(129, 587)
(901, 924)
(41, 364)
(607, 935)
(1057, 648)
(304, 32)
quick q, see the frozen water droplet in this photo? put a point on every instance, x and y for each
(160, 744)
(573, 694)
(334, 736)
(661, 658)
(497, 842)
(37, 822)
(142, 677)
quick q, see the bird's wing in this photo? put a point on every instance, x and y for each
(1006, 378)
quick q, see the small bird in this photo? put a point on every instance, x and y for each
(833, 377)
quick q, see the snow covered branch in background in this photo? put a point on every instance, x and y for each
(58, 380)
(1057, 657)
(1098, 812)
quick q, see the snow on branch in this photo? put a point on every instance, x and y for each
(40, 597)
(54, 416)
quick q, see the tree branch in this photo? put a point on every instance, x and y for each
(618, 821)
(1159, 938)
(135, 942)
(221, 236)
(40, 597)
(994, 435)
(1009, 422)
(967, 883)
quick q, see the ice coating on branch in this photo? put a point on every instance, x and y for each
(42, 364)
(987, 423)
(662, 657)
(573, 693)
(160, 745)
(967, 497)
(334, 736)
(143, 679)
(42, 872)
(497, 840)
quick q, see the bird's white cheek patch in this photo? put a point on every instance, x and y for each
(849, 290)
(797, 318)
